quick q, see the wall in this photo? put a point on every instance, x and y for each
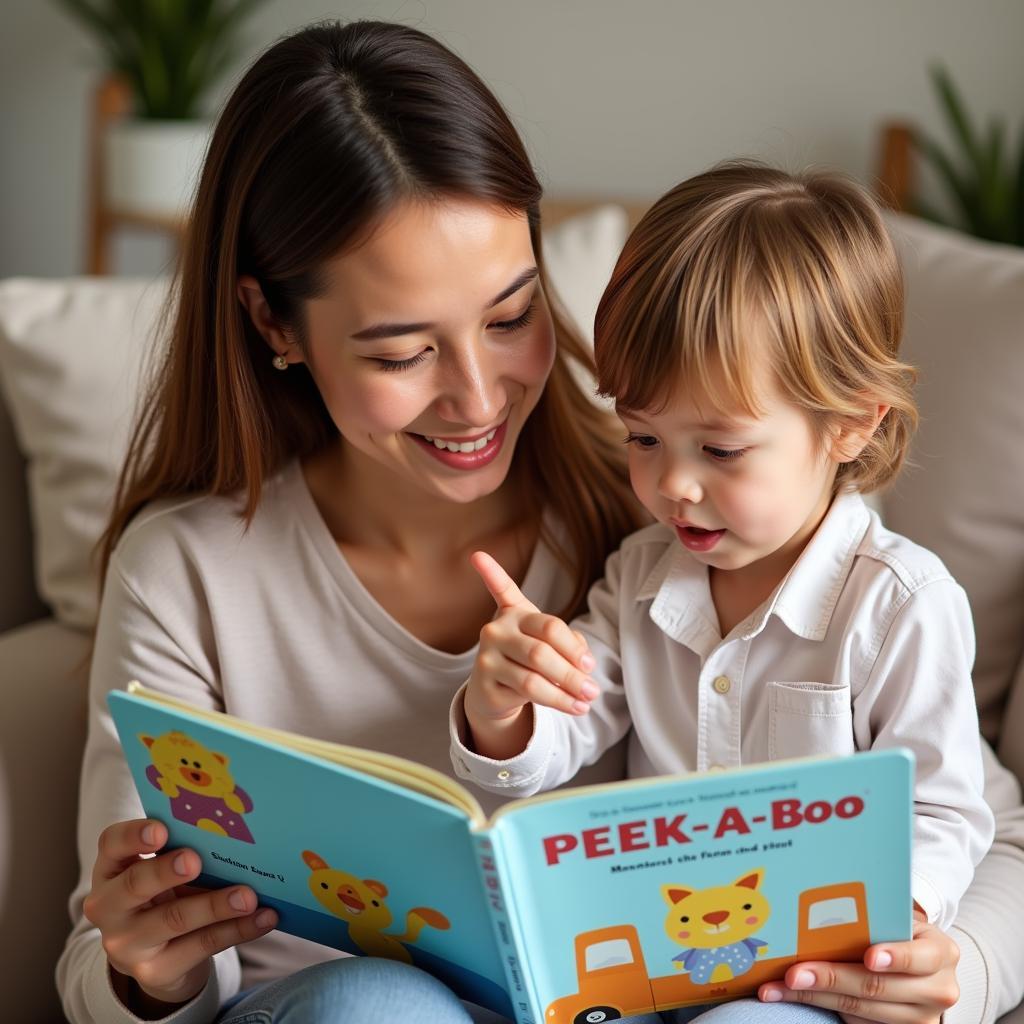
(612, 97)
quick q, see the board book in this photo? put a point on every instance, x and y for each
(584, 904)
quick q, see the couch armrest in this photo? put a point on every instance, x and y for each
(42, 732)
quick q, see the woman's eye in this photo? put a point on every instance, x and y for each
(518, 323)
(390, 365)
(724, 454)
(642, 440)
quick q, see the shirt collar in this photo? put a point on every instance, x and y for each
(808, 595)
(804, 601)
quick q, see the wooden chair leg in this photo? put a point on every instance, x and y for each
(113, 100)
(895, 183)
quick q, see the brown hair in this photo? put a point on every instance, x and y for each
(326, 131)
(798, 267)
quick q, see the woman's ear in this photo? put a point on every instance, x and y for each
(250, 295)
(851, 436)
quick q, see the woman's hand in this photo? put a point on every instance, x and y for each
(899, 983)
(157, 930)
(525, 657)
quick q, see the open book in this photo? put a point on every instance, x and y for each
(584, 904)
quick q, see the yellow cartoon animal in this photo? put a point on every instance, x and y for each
(360, 903)
(716, 927)
(199, 785)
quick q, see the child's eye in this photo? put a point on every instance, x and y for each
(643, 441)
(518, 323)
(391, 365)
(724, 454)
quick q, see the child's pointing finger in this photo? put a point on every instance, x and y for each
(502, 587)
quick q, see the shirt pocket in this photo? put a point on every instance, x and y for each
(808, 719)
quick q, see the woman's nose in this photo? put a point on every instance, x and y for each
(473, 392)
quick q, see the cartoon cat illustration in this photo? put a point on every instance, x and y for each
(716, 927)
(201, 789)
(360, 903)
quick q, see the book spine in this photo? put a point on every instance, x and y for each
(489, 861)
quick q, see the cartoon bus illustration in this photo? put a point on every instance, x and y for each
(832, 924)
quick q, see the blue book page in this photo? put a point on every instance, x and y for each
(346, 859)
(676, 891)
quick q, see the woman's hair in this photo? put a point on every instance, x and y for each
(743, 263)
(327, 131)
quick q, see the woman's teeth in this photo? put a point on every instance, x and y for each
(463, 446)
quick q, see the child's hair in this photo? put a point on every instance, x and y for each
(746, 259)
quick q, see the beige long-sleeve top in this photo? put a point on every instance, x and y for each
(272, 625)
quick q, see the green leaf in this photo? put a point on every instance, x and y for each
(963, 191)
(172, 51)
(957, 117)
(1018, 194)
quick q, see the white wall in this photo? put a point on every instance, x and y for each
(611, 96)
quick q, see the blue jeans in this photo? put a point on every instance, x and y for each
(370, 990)
(361, 990)
(751, 1011)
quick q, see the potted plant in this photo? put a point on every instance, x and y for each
(169, 53)
(984, 182)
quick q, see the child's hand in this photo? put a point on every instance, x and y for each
(525, 657)
(899, 982)
(158, 932)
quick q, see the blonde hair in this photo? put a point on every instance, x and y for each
(746, 260)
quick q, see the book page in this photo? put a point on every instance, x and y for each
(402, 772)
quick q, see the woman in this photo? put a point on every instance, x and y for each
(365, 382)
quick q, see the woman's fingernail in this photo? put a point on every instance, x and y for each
(587, 662)
(181, 864)
(802, 979)
(883, 959)
(266, 919)
(149, 835)
(771, 995)
(237, 900)
(590, 690)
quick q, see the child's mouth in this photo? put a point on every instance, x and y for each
(693, 538)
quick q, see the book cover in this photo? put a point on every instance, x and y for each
(585, 904)
(656, 894)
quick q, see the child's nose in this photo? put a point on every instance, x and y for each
(679, 484)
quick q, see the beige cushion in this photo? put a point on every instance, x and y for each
(964, 497)
(71, 358)
(42, 731)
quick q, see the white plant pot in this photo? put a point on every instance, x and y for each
(152, 167)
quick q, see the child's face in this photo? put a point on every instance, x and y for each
(739, 492)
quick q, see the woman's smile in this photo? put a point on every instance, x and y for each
(464, 453)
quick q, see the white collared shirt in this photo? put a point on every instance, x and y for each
(867, 643)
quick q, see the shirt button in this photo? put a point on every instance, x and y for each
(721, 684)
(504, 774)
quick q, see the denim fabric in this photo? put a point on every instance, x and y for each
(750, 1011)
(370, 990)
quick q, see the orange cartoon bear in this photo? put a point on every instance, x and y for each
(201, 789)
(360, 903)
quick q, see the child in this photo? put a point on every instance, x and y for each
(749, 337)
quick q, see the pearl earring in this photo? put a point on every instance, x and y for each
(280, 363)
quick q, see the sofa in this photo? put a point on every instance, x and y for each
(73, 355)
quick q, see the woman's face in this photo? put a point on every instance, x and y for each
(432, 344)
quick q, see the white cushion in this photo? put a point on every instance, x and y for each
(963, 497)
(72, 354)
